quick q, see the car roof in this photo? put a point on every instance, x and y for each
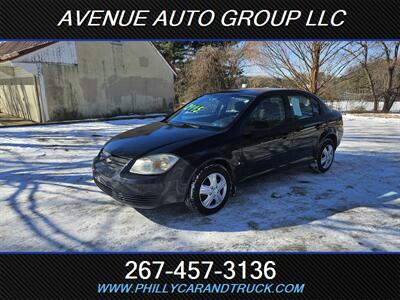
(260, 91)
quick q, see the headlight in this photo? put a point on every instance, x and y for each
(154, 164)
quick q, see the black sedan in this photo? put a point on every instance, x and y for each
(198, 154)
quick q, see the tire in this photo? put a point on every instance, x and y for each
(325, 157)
(210, 189)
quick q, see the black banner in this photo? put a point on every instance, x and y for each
(189, 19)
(200, 276)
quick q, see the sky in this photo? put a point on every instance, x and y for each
(253, 71)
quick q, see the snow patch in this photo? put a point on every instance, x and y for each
(48, 201)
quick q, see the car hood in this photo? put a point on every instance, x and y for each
(142, 140)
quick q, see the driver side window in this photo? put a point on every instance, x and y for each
(270, 112)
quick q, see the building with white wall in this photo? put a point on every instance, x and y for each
(50, 81)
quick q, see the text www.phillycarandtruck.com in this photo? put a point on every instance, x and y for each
(199, 288)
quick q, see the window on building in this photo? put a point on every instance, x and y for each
(118, 57)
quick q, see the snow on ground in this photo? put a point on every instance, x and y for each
(48, 201)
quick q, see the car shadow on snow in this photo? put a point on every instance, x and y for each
(296, 196)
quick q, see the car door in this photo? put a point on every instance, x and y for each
(266, 142)
(306, 123)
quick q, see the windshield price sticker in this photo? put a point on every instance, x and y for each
(255, 270)
(193, 108)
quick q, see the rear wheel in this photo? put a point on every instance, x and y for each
(326, 154)
(210, 189)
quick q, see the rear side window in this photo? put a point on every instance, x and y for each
(270, 112)
(303, 107)
(315, 106)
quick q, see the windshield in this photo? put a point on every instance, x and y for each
(214, 110)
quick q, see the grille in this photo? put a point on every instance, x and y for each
(113, 161)
(127, 198)
(136, 199)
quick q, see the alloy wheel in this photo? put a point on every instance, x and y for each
(213, 190)
(327, 156)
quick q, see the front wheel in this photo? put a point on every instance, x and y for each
(210, 189)
(326, 154)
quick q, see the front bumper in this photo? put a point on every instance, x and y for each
(143, 191)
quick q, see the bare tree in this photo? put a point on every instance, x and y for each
(391, 88)
(306, 65)
(214, 69)
(263, 81)
(379, 61)
(361, 51)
